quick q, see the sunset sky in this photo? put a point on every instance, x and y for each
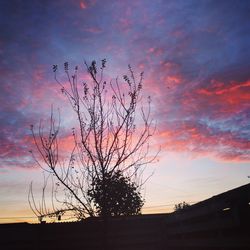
(196, 60)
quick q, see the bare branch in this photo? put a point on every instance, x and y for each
(112, 139)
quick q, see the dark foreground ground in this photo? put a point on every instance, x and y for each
(221, 222)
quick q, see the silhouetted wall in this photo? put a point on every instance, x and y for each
(221, 222)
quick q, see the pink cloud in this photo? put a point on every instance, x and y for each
(83, 5)
(125, 24)
(94, 30)
(199, 118)
(229, 98)
(201, 141)
(173, 80)
(155, 51)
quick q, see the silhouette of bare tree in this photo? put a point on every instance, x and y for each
(111, 147)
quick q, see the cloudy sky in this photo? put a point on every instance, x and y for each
(195, 55)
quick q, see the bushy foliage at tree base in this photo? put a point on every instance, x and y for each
(116, 195)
